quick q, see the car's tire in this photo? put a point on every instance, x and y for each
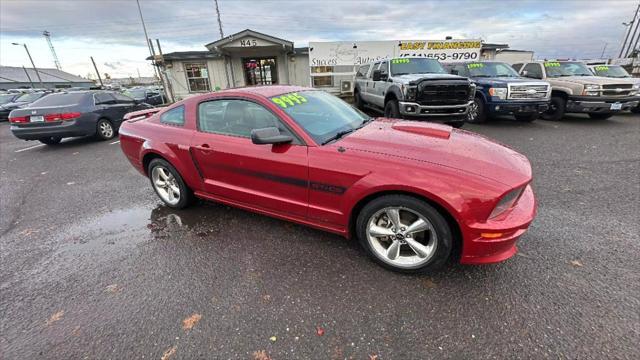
(52, 140)
(636, 110)
(433, 242)
(105, 129)
(168, 184)
(357, 100)
(556, 110)
(392, 109)
(600, 116)
(456, 124)
(526, 117)
(477, 111)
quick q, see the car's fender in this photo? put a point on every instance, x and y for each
(178, 156)
(393, 90)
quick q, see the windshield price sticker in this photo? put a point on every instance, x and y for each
(287, 100)
(602, 68)
(400, 61)
(552, 64)
(475, 66)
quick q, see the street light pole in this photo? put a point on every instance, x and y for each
(32, 63)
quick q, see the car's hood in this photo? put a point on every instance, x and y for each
(598, 80)
(405, 79)
(442, 145)
(505, 80)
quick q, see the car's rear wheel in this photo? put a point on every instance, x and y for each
(392, 109)
(105, 130)
(51, 140)
(557, 106)
(404, 234)
(168, 184)
(600, 116)
(526, 117)
(477, 113)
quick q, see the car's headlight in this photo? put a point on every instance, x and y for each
(472, 91)
(409, 92)
(500, 93)
(506, 202)
(591, 90)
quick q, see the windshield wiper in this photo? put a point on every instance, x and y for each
(338, 136)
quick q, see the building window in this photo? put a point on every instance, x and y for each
(320, 81)
(197, 77)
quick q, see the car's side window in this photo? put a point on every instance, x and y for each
(104, 98)
(123, 99)
(174, 116)
(384, 68)
(533, 71)
(237, 118)
(517, 67)
(362, 71)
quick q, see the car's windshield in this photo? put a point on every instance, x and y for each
(566, 68)
(321, 115)
(614, 71)
(416, 66)
(29, 97)
(60, 99)
(491, 69)
(135, 93)
(5, 98)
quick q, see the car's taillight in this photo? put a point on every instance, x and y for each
(62, 117)
(19, 119)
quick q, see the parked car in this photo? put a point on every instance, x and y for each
(80, 113)
(414, 87)
(574, 89)
(500, 90)
(6, 98)
(617, 72)
(150, 97)
(21, 101)
(413, 193)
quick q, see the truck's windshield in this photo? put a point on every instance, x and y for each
(403, 66)
(491, 69)
(614, 71)
(566, 68)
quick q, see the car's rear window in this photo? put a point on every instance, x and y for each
(60, 99)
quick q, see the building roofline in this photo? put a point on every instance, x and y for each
(232, 37)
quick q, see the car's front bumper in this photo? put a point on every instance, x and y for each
(517, 107)
(592, 104)
(443, 113)
(482, 245)
(70, 128)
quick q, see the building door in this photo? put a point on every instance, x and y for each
(260, 71)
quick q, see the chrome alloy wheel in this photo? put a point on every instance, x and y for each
(106, 130)
(401, 237)
(473, 111)
(166, 185)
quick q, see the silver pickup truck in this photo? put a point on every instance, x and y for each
(414, 87)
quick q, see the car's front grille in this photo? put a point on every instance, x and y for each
(617, 90)
(442, 93)
(528, 92)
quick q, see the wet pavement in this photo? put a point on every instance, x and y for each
(92, 266)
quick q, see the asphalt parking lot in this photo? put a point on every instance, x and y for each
(93, 266)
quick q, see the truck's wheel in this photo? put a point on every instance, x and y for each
(600, 116)
(357, 100)
(392, 110)
(526, 117)
(477, 112)
(557, 106)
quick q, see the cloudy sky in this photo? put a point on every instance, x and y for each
(111, 32)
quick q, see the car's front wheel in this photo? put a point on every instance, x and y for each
(477, 113)
(557, 106)
(392, 109)
(404, 234)
(168, 184)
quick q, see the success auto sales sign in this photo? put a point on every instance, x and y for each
(345, 53)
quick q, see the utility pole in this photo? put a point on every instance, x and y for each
(32, 63)
(630, 48)
(629, 28)
(226, 63)
(219, 20)
(603, 50)
(146, 38)
(166, 88)
(47, 35)
(97, 72)
(28, 77)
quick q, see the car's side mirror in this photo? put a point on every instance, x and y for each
(269, 135)
(377, 75)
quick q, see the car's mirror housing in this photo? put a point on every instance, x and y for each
(269, 135)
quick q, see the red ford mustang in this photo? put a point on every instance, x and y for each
(413, 193)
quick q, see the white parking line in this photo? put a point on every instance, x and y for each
(115, 142)
(29, 148)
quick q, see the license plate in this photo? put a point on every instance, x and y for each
(616, 106)
(37, 118)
